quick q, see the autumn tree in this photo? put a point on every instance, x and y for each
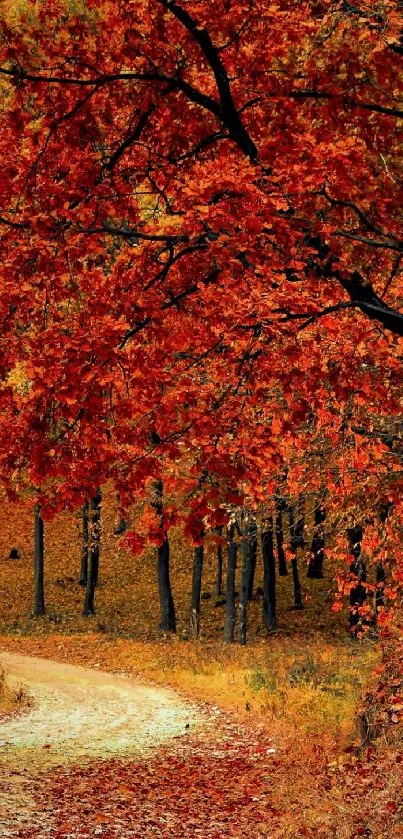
(200, 240)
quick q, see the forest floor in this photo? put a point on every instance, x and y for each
(104, 755)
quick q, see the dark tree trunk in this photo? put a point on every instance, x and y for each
(252, 550)
(315, 567)
(297, 585)
(245, 580)
(167, 608)
(198, 556)
(297, 543)
(39, 553)
(282, 565)
(93, 554)
(231, 571)
(269, 575)
(218, 579)
(84, 546)
(358, 577)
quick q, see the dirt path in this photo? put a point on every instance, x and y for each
(79, 715)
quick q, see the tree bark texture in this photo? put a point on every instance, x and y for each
(167, 607)
(93, 554)
(269, 575)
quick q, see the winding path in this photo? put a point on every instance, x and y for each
(79, 715)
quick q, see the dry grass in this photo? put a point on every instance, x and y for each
(12, 700)
(296, 689)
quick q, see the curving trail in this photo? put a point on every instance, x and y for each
(79, 715)
(80, 712)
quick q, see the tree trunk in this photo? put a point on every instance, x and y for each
(315, 567)
(245, 582)
(218, 580)
(358, 577)
(252, 549)
(39, 552)
(231, 571)
(282, 565)
(269, 575)
(84, 546)
(167, 608)
(297, 585)
(198, 556)
(93, 554)
(297, 543)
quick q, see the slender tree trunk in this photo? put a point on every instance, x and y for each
(245, 581)
(93, 554)
(218, 579)
(252, 550)
(167, 608)
(269, 575)
(282, 565)
(296, 581)
(315, 567)
(296, 543)
(198, 556)
(39, 553)
(84, 546)
(231, 571)
(358, 577)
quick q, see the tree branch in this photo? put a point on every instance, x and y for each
(346, 101)
(373, 243)
(130, 139)
(229, 113)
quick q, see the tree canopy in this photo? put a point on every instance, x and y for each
(201, 247)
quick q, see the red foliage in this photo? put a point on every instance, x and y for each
(200, 245)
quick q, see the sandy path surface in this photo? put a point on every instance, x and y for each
(79, 715)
